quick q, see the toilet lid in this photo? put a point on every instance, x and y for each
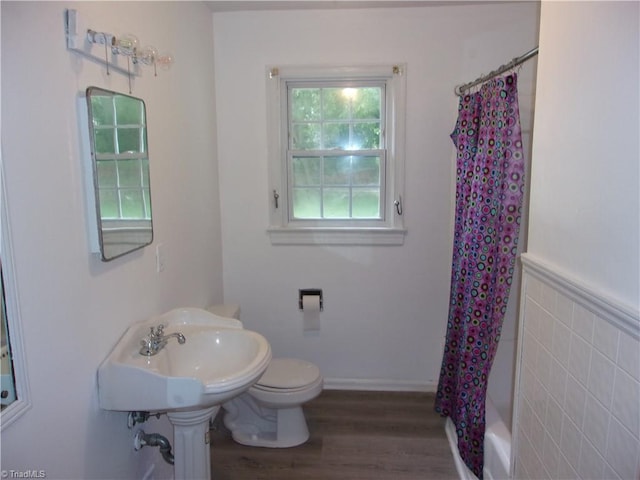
(289, 373)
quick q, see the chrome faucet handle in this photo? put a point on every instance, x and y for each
(147, 347)
(159, 330)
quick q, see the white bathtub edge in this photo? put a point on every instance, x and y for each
(497, 448)
(497, 445)
(463, 471)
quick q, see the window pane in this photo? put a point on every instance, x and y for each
(104, 140)
(335, 118)
(306, 171)
(306, 203)
(305, 104)
(145, 172)
(337, 170)
(336, 135)
(129, 110)
(366, 170)
(129, 173)
(147, 202)
(107, 173)
(128, 140)
(366, 203)
(331, 120)
(306, 136)
(108, 203)
(335, 103)
(336, 203)
(101, 110)
(366, 135)
(131, 201)
(367, 105)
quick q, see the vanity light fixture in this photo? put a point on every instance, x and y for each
(126, 45)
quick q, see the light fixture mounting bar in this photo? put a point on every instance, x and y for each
(82, 40)
(107, 49)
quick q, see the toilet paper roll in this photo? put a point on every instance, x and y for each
(311, 313)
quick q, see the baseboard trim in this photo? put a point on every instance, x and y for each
(378, 384)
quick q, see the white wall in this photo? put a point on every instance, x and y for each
(385, 307)
(584, 204)
(577, 409)
(74, 307)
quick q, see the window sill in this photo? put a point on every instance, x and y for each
(336, 236)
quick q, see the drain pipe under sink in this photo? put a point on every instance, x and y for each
(154, 440)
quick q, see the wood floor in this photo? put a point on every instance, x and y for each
(354, 436)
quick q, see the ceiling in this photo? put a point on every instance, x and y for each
(239, 5)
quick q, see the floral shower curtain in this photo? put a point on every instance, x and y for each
(489, 192)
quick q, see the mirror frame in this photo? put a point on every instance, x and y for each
(14, 320)
(134, 237)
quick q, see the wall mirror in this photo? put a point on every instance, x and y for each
(14, 384)
(120, 168)
(7, 381)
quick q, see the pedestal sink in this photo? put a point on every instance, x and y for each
(189, 381)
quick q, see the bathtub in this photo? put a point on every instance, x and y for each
(497, 447)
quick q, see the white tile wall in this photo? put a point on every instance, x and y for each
(578, 401)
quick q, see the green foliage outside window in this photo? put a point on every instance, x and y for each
(327, 118)
(121, 156)
(339, 177)
(336, 187)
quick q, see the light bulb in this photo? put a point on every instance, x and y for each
(125, 44)
(165, 61)
(148, 55)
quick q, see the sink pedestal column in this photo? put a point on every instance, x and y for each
(192, 455)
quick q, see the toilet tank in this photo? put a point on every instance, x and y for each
(227, 310)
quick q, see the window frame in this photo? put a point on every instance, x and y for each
(283, 229)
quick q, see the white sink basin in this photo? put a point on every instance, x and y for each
(218, 361)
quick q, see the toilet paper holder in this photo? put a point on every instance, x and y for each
(309, 292)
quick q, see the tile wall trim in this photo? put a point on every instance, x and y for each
(613, 311)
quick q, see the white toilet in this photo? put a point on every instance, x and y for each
(270, 414)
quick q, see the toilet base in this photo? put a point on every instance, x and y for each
(273, 428)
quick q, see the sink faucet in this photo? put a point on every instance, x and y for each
(156, 340)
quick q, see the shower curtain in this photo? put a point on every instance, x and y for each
(489, 192)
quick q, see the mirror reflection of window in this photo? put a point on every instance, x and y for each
(7, 379)
(118, 132)
(121, 157)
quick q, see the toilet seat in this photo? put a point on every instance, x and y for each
(287, 382)
(288, 374)
(285, 391)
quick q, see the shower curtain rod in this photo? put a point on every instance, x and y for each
(459, 90)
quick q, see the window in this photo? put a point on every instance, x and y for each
(336, 155)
